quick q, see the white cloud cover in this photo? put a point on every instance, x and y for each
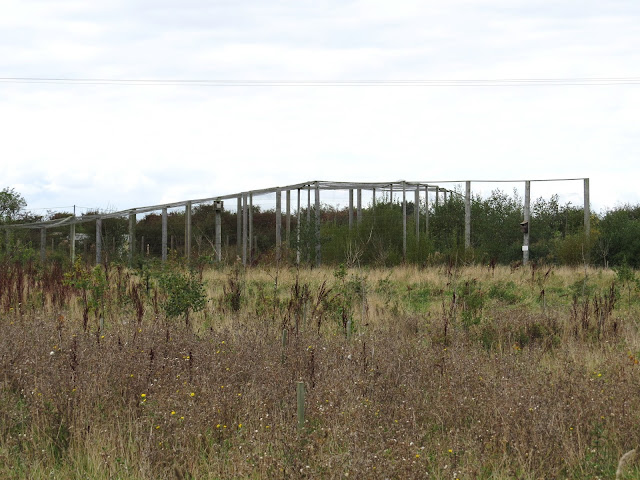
(122, 146)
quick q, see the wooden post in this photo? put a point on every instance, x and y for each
(300, 402)
(251, 250)
(187, 231)
(239, 226)
(317, 227)
(218, 210)
(245, 229)
(467, 215)
(43, 245)
(416, 211)
(404, 221)
(426, 210)
(587, 222)
(288, 219)
(526, 226)
(278, 224)
(359, 206)
(350, 208)
(298, 231)
(164, 234)
(98, 241)
(132, 236)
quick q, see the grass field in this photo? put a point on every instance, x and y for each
(444, 373)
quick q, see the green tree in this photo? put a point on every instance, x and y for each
(11, 205)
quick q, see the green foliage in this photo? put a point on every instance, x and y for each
(185, 293)
(11, 205)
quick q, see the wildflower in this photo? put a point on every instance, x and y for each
(450, 451)
(181, 418)
(239, 425)
(173, 412)
(143, 395)
(157, 427)
(192, 394)
(218, 426)
(417, 455)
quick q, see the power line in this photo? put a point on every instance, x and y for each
(494, 82)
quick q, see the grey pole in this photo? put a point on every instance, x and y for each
(404, 222)
(72, 240)
(278, 224)
(350, 208)
(373, 197)
(416, 211)
(239, 226)
(98, 241)
(359, 206)
(132, 236)
(426, 210)
(391, 193)
(318, 248)
(245, 230)
(164, 234)
(298, 231)
(527, 226)
(437, 198)
(43, 245)
(251, 249)
(288, 218)
(467, 215)
(218, 209)
(587, 221)
(187, 231)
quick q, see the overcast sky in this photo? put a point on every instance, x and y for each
(121, 146)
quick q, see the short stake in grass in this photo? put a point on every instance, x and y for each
(300, 406)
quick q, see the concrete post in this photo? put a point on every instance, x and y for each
(218, 209)
(72, 240)
(288, 219)
(187, 231)
(239, 226)
(527, 226)
(278, 224)
(132, 236)
(359, 206)
(43, 245)
(404, 221)
(467, 215)
(251, 249)
(416, 211)
(245, 229)
(317, 208)
(165, 221)
(437, 204)
(587, 222)
(350, 208)
(298, 231)
(98, 241)
(426, 210)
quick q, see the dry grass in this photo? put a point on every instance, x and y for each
(498, 383)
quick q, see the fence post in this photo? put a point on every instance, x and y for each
(164, 234)
(239, 226)
(467, 215)
(278, 224)
(245, 238)
(298, 231)
(132, 236)
(72, 240)
(359, 206)
(426, 211)
(251, 249)
(350, 208)
(288, 219)
(318, 248)
(587, 222)
(98, 241)
(43, 245)
(218, 210)
(187, 231)
(404, 222)
(526, 226)
(416, 211)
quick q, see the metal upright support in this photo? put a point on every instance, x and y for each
(416, 211)
(287, 237)
(132, 236)
(426, 210)
(245, 220)
(587, 222)
(187, 231)
(98, 241)
(239, 227)
(72, 240)
(278, 224)
(298, 231)
(350, 208)
(317, 208)
(467, 215)
(218, 210)
(251, 249)
(165, 222)
(526, 225)
(359, 206)
(404, 221)
(43, 245)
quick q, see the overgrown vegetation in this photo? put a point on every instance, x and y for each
(446, 372)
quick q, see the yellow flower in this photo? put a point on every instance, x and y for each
(218, 426)
(173, 413)
(417, 455)
(143, 395)
(450, 451)
(239, 425)
(192, 394)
